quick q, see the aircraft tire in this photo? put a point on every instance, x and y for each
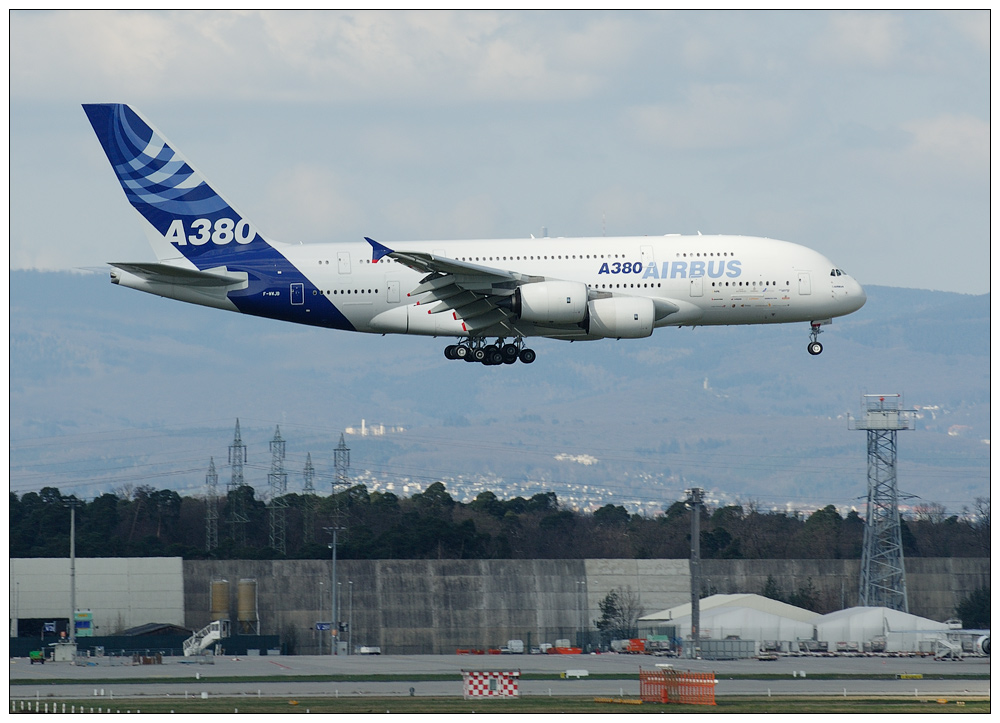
(493, 356)
(510, 353)
(449, 351)
(815, 348)
(527, 356)
(478, 354)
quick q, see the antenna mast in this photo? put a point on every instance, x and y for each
(883, 577)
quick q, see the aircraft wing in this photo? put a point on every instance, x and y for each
(479, 296)
(474, 294)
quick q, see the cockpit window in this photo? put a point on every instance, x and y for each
(836, 272)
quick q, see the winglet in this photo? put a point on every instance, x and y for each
(378, 250)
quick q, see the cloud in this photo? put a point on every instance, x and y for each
(721, 116)
(420, 57)
(310, 200)
(956, 143)
(860, 39)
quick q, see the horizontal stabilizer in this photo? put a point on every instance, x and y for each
(169, 274)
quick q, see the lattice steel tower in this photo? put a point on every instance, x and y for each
(277, 482)
(883, 577)
(236, 497)
(309, 499)
(341, 462)
(212, 507)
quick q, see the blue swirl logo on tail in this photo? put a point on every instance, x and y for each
(166, 191)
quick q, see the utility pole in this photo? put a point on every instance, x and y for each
(212, 507)
(236, 498)
(694, 501)
(309, 500)
(278, 487)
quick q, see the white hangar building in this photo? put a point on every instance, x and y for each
(879, 629)
(768, 623)
(729, 622)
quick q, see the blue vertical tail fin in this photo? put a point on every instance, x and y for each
(184, 216)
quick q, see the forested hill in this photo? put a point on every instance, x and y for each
(432, 525)
(111, 388)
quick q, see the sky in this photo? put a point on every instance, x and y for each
(864, 135)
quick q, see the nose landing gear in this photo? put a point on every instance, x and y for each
(814, 347)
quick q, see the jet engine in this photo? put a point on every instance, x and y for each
(983, 645)
(549, 302)
(621, 317)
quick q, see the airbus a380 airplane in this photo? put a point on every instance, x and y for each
(573, 289)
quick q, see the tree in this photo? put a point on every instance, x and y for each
(771, 589)
(620, 613)
(611, 516)
(974, 611)
(981, 524)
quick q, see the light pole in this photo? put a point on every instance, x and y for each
(333, 590)
(581, 589)
(350, 617)
(319, 607)
(72, 570)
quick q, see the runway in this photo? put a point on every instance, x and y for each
(276, 676)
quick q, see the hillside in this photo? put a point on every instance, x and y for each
(110, 387)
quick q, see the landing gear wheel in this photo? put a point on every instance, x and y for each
(815, 348)
(493, 356)
(527, 356)
(478, 354)
(461, 352)
(510, 353)
(449, 351)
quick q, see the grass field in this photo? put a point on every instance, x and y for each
(274, 706)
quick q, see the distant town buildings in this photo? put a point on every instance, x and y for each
(372, 430)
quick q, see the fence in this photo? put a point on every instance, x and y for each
(675, 686)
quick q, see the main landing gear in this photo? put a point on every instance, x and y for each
(477, 350)
(814, 347)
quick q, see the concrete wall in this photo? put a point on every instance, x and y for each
(121, 592)
(436, 606)
(934, 586)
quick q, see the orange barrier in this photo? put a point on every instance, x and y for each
(676, 686)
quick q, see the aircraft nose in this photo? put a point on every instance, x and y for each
(856, 296)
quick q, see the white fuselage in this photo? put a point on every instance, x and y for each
(713, 280)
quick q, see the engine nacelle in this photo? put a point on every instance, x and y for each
(983, 645)
(619, 317)
(551, 302)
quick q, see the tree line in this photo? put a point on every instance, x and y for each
(145, 522)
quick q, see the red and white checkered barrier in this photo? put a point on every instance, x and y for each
(490, 683)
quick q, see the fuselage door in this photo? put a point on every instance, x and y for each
(805, 286)
(298, 294)
(697, 285)
(392, 292)
(343, 262)
(647, 255)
